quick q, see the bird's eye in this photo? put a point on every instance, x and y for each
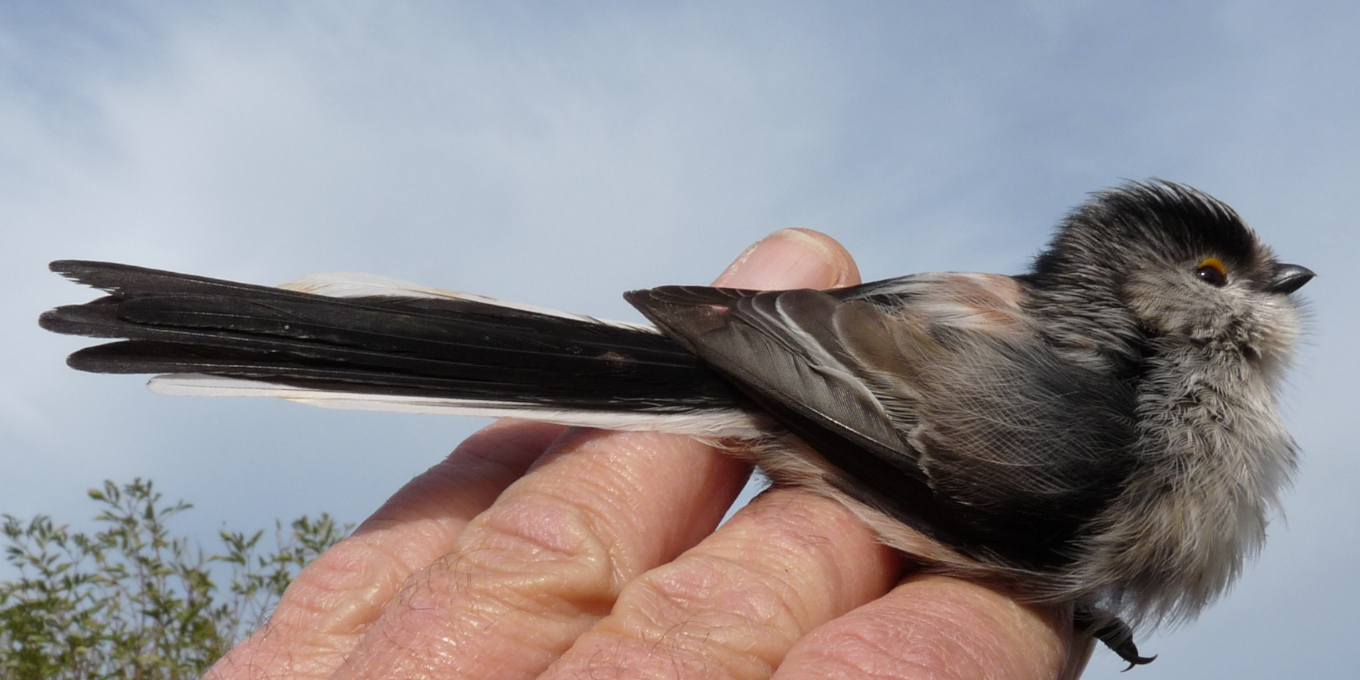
(1211, 271)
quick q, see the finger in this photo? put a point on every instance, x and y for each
(937, 627)
(792, 258)
(333, 601)
(733, 606)
(546, 561)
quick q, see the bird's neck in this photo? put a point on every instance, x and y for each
(1102, 336)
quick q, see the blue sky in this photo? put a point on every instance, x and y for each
(559, 155)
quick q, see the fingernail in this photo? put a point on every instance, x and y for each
(788, 258)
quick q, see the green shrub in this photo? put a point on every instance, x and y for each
(134, 601)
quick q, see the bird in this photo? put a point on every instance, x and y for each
(1100, 431)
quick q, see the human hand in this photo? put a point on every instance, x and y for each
(538, 551)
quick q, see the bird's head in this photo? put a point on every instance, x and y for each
(1180, 265)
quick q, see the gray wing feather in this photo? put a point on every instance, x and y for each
(932, 393)
(782, 344)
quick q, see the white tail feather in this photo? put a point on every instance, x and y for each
(712, 423)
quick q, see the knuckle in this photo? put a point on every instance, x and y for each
(944, 641)
(801, 540)
(709, 611)
(536, 552)
(919, 649)
(523, 581)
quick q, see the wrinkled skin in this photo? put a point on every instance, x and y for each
(538, 551)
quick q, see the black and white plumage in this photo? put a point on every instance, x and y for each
(1100, 431)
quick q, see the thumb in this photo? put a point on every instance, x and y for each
(792, 258)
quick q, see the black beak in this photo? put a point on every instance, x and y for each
(1288, 278)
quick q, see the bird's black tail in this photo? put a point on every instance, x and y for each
(379, 344)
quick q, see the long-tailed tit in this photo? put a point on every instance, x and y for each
(1099, 431)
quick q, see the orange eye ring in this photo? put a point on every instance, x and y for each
(1212, 272)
